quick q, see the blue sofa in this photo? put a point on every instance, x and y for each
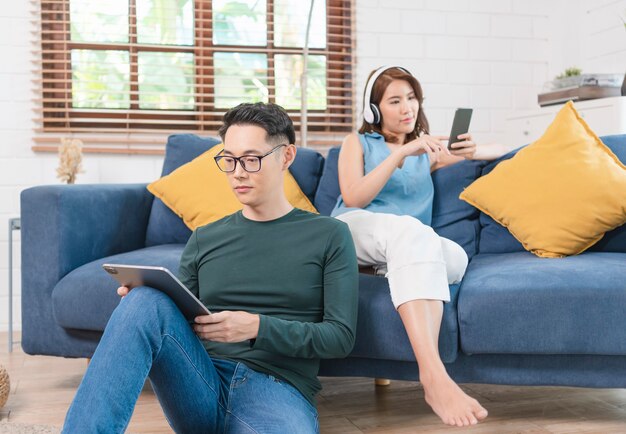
(514, 319)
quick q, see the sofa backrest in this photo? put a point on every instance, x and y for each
(165, 227)
(328, 190)
(495, 238)
(452, 217)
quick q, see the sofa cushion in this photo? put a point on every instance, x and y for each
(328, 189)
(449, 183)
(559, 195)
(165, 227)
(464, 232)
(380, 333)
(452, 217)
(85, 298)
(495, 238)
(518, 303)
(307, 170)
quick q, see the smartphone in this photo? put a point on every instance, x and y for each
(460, 125)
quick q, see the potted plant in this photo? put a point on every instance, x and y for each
(568, 78)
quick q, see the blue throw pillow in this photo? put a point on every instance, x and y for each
(328, 190)
(495, 238)
(449, 183)
(453, 218)
(615, 240)
(307, 170)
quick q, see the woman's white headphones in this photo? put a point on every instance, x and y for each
(371, 112)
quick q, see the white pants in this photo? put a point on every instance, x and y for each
(418, 263)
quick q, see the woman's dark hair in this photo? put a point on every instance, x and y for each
(271, 117)
(421, 125)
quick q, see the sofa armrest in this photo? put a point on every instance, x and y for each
(64, 227)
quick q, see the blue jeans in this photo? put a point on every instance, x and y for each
(147, 336)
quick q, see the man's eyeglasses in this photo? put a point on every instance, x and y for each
(249, 163)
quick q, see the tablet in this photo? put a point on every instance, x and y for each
(460, 125)
(162, 279)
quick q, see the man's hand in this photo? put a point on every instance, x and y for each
(227, 326)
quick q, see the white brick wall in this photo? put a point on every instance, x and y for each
(603, 37)
(493, 55)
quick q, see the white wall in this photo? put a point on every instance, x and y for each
(588, 34)
(492, 55)
(603, 36)
(19, 166)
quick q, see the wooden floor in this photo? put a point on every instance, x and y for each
(42, 389)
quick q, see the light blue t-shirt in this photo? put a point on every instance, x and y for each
(409, 190)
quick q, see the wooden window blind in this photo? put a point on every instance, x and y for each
(123, 74)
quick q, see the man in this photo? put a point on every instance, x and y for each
(282, 286)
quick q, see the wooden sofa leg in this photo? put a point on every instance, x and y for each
(382, 382)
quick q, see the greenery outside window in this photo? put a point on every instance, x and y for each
(146, 66)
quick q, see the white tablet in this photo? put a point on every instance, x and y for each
(162, 279)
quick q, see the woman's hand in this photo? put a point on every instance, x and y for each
(466, 148)
(227, 326)
(425, 144)
(123, 291)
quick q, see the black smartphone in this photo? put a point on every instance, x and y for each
(460, 125)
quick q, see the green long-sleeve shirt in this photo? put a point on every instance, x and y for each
(298, 272)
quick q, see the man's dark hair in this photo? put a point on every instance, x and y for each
(271, 117)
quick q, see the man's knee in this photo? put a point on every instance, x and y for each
(143, 302)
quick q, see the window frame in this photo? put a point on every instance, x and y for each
(56, 76)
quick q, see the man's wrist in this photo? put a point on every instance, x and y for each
(254, 326)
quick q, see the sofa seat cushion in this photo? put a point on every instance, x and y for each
(380, 333)
(518, 303)
(85, 298)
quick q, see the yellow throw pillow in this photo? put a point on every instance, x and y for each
(559, 195)
(199, 193)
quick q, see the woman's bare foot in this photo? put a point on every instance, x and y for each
(450, 403)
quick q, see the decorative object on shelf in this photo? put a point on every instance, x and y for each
(70, 160)
(5, 386)
(579, 87)
(572, 71)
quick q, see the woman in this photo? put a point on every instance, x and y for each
(386, 200)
